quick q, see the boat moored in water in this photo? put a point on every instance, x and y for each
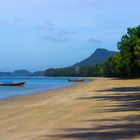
(76, 80)
(12, 84)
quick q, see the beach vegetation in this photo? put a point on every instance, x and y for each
(125, 64)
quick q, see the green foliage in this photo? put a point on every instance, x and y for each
(61, 72)
(124, 64)
(112, 67)
(85, 71)
(127, 62)
(90, 71)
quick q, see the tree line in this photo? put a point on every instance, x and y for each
(126, 64)
(84, 71)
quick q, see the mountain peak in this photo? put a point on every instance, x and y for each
(101, 49)
(21, 73)
(98, 57)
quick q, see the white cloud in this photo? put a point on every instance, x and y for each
(94, 41)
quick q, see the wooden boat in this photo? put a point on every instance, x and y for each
(12, 84)
(75, 80)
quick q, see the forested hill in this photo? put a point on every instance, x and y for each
(98, 57)
(86, 67)
(125, 64)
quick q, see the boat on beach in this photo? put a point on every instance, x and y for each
(12, 84)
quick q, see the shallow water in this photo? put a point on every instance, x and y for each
(33, 85)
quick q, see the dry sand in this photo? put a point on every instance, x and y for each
(104, 109)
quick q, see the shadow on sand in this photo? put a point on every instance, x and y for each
(118, 128)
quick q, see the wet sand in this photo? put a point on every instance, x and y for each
(104, 109)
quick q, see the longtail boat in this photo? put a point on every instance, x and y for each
(12, 84)
(70, 80)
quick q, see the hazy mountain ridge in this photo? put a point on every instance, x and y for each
(98, 57)
(5, 74)
(21, 73)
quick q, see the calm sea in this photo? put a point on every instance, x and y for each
(33, 85)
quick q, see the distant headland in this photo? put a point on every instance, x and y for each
(100, 56)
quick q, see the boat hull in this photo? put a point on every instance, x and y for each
(76, 80)
(13, 84)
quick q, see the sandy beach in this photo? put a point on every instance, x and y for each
(104, 109)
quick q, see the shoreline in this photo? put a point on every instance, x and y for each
(100, 109)
(45, 91)
(48, 90)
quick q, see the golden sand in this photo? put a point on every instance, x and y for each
(104, 109)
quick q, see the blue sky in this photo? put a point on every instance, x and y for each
(39, 34)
